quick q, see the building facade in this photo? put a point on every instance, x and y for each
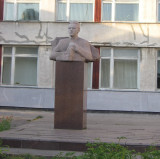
(126, 32)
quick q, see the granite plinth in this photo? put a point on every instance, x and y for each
(70, 95)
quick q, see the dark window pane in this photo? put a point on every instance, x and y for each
(158, 75)
(26, 50)
(7, 51)
(105, 73)
(25, 71)
(28, 11)
(6, 77)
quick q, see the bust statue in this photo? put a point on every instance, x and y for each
(73, 48)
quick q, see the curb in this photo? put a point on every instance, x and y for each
(44, 145)
(59, 145)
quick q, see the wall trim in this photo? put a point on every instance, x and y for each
(1, 9)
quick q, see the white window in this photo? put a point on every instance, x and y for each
(80, 10)
(119, 68)
(21, 10)
(158, 70)
(19, 66)
(120, 10)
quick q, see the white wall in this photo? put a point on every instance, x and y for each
(148, 10)
(109, 34)
(148, 69)
(47, 10)
(96, 99)
(45, 68)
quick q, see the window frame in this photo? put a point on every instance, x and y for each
(113, 10)
(111, 76)
(68, 9)
(15, 8)
(13, 63)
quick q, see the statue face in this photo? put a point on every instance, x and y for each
(73, 30)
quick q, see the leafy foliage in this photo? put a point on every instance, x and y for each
(151, 153)
(5, 123)
(108, 151)
(3, 149)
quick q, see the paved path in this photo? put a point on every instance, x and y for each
(138, 129)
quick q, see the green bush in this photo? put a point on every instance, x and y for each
(150, 153)
(3, 150)
(99, 150)
(5, 123)
(108, 151)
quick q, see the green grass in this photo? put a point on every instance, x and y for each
(36, 118)
(5, 123)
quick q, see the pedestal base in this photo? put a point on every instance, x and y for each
(70, 95)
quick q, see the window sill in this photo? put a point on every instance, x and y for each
(18, 86)
(120, 22)
(22, 21)
(114, 90)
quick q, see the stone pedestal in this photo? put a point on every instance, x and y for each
(70, 95)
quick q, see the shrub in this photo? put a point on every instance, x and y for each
(3, 150)
(108, 151)
(5, 123)
(150, 153)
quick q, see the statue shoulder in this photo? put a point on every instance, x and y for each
(94, 51)
(55, 42)
(84, 42)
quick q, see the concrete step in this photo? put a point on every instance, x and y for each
(52, 145)
(139, 130)
(35, 152)
(44, 144)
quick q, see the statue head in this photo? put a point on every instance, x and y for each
(73, 29)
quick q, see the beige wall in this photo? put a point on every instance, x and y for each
(148, 69)
(45, 68)
(109, 34)
(148, 10)
(47, 10)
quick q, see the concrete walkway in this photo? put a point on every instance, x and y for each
(28, 132)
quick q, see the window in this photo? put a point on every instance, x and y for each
(119, 68)
(120, 10)
(21, 10)
(158, 10)
(158, 70)
(19, 66)
(80, 10)
(90, 70)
